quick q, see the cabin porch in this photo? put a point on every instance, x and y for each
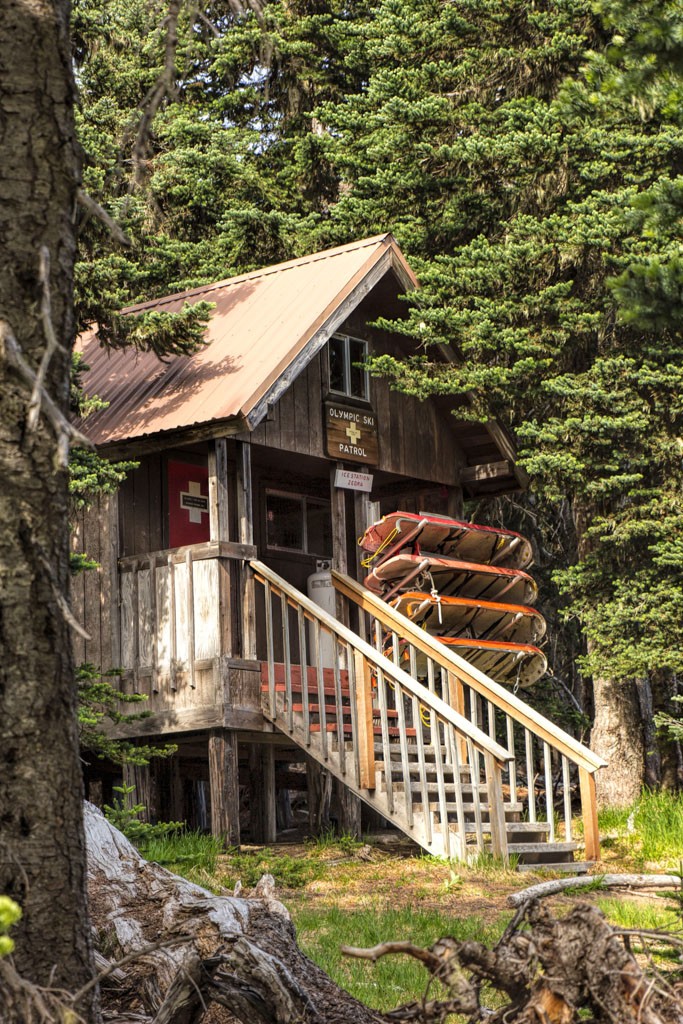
(447, 756)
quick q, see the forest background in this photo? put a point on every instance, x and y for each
(528, 158)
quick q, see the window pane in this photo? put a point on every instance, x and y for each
(284, 522)
(318, 514)
(336, 350)
(358, 352)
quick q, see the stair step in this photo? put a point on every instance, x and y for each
(544, 848)
(567, 867)
(452, 807)
(377, 729)
(528, 826)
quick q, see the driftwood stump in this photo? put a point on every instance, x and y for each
(240, 954)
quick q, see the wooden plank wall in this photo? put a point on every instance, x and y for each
(91, 591)
(141, 505)
(416, 439)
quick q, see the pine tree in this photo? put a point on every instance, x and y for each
(536, 201)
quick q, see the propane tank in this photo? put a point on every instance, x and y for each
(320, 589)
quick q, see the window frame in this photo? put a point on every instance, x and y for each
(304, 499)
(347, 393)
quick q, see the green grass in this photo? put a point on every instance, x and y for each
(649, 914)
(288, 872)
(393, 980)
(649, 832)
(658, 821)
(191, 854)
(194, 848)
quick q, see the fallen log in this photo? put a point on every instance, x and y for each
(555, 885)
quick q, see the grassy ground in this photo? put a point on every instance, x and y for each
(342, 891)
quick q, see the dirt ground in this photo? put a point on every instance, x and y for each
(385, 875)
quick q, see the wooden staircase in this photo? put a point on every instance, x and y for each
(452, 759)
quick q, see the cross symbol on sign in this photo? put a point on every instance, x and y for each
(353, 433)
(193, 501)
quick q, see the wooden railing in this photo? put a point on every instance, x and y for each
(173, 612)
(395, 743)
(546, 763)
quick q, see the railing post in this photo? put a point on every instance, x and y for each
(589, 813)
(365, 739)
(494, 785)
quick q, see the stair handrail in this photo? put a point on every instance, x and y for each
(498, 695)
(587, 762)
(481, 740)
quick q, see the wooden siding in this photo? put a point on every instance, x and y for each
(91, 592)
(416, 439)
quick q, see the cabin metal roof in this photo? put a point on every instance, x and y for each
(265, 327)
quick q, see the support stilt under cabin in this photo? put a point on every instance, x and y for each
(227, 591)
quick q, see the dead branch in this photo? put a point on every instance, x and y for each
(112, 226)
(552, 971)
(556, 885)
(52, 345)
(22, 1001)
(67, 434)
(374, 953)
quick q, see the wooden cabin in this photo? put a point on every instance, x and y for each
(261, 459)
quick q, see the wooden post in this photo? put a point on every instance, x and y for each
(219, 521)
(339, 545)
(456, 698)
(365, 741)
(262, 805)
(348, 810)
(190, 618)
(176, 804)
(245, 517)
(455, 502)
(218, 491)
(589, 813)
(113, 605)
(139, 776)
(319, 795)
(224, 784)
(494, 785)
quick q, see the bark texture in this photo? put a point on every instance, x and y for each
(42, 862)
(617, 735)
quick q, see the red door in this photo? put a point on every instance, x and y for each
(188, 504)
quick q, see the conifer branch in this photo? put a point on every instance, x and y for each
(163, 87)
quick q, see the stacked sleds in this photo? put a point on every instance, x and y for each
(464, 584)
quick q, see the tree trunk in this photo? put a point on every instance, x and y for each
(617, 735)
(42, 864)
(617, 732)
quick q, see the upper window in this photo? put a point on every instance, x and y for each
(346, 376)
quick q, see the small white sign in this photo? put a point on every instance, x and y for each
(353, 481)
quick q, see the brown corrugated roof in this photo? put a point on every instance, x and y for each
(265, 328)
